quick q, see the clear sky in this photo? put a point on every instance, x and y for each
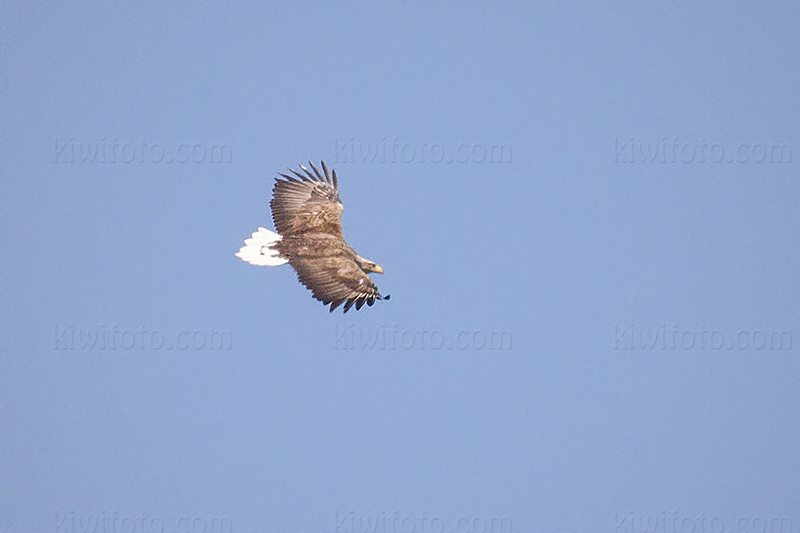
(587, 213)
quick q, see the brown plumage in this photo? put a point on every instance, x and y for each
(307, 214)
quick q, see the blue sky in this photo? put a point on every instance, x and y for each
(587, 213)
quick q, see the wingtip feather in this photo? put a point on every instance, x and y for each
(327, 173)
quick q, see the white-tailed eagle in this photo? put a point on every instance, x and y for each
(307, 214)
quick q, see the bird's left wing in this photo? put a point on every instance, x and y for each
(336, 280)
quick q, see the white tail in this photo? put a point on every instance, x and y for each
(258, 250)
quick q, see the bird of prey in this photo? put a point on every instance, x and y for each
(307, 214)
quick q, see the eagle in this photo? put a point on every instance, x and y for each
(307, 214)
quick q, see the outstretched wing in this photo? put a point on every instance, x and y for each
(336, 280)
(307, 202)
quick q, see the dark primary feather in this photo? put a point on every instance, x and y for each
(336, 280)
(307, 205)
(307, 214)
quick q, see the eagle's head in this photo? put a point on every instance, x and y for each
(368, 266)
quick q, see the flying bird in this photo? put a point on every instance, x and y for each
(307, 214)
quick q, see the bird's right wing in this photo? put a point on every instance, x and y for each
(307, 202)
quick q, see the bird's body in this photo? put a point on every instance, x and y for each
(307, 214)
